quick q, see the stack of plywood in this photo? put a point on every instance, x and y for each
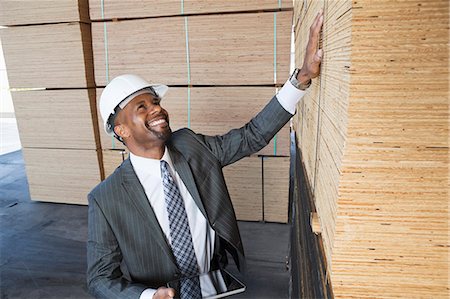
(50, 73)
(373, 133)
(223, 61)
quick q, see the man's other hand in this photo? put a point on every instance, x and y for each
(313, 55)
(164, 293)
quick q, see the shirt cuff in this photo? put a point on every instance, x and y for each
(147, 294)
(289, 96)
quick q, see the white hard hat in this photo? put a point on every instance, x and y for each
(121, 90)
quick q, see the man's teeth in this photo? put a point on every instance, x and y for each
(156, 122)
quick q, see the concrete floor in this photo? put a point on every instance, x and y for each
(43, 250)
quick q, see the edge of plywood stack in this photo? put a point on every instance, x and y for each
(48, 54)
(378, 160)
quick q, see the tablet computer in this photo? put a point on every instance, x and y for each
(214, 284)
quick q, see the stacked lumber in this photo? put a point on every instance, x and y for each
(48, 56)
(61, 175)
(26, 12)
(276, 188)
(374, 143)
(224, 60)
(231, 49)
(259, 188)
(119, 9)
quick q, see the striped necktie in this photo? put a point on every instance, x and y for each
(182, 245)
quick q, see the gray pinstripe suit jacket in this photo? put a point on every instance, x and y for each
(127, 250)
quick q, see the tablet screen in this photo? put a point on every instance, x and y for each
(214, 284)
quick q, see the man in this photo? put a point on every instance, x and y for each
(165, 213)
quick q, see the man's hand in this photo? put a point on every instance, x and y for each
(313, 55)
(164, 293)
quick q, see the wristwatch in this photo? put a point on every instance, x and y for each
(296, 83)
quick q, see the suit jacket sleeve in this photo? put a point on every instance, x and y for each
(252, 137)
(104, 276)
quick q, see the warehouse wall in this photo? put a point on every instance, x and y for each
(223, 61)
(374, 145)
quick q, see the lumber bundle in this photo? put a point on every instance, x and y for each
(26, 12)
(224, 60)
(61, 175)
(56, 118)
(374, 143)
(119, 9)
(244, 182)
(259, 188)
(231, 49)
(48, 56)
(276, 189)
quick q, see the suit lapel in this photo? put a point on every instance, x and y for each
(183, 169)
(140, 201)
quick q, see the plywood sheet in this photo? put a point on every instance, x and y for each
(56, 118)
(244, 182)
(48, 56)
(138, 9)
(61, 175)
(24, 12)
(276, 189)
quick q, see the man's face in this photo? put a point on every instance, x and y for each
(144, 121)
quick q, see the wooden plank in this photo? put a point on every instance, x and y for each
(276, 189)
(244, 182)
(156, 8)
(25, 12)
(61, 175)
(56, 118)
(48, 56)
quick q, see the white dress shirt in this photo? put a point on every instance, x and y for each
(148, 172)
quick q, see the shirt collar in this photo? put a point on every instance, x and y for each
(149, 166)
